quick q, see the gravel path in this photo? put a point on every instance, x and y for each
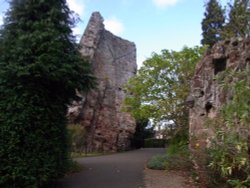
(122, 170)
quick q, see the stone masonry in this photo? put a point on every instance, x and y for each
(113, 62)
(207, 97)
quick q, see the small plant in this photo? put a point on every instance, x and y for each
(158, 162)
(177, 157)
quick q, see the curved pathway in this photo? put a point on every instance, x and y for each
(122, 170)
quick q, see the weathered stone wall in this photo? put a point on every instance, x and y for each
(207, 96)
(113, 62)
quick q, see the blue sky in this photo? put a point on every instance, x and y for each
(152, 24)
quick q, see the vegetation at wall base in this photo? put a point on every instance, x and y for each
(40, 69)
(229, 156)
(179, 160)
(177, 156)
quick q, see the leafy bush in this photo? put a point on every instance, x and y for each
(179, 143)
(177, 158)
(158, 162)
(154, 143)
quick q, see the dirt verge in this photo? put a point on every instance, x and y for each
(167, 179)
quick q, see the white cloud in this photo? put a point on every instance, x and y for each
(76, 6)
(77, 33)
(1, 19)
(164, 3)
(114, 26)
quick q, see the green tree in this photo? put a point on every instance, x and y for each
(40, 68)
(212, 24)
(239, 19)
(160, 88)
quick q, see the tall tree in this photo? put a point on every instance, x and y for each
(239, 19)
(160, 88)
(212, 24)
(40, 68)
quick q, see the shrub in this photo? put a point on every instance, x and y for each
(177, 158)
(158, 162)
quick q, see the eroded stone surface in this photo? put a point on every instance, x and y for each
(207, 96)
(113, 62)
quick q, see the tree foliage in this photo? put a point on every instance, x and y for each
(213, 23)
(160, 88)
(40, 68)
(238, 19)
(219, 24)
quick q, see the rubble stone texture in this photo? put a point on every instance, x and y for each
(113, 61)
(207, 96)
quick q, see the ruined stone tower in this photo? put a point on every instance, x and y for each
(113, 62)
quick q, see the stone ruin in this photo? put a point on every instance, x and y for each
(207, 97)
(113, 62)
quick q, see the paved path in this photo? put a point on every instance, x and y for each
(122, 170)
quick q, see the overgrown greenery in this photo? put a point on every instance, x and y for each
(229, 153)
(40, 68)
